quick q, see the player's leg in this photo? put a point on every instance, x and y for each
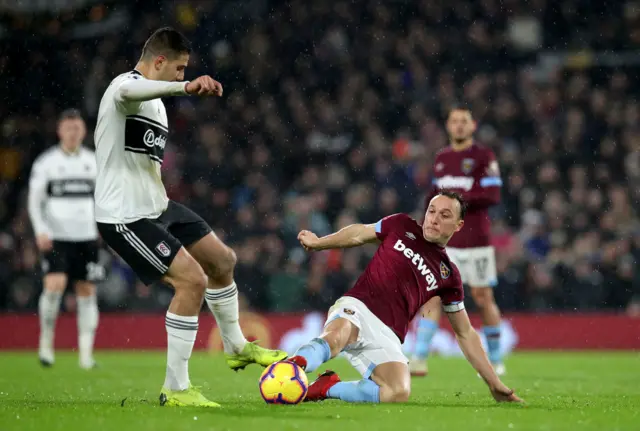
(390, 382)
(428, 322)
(218, 261)
(394, 381)
(88, 316)
(483, 279)
(485, 301)
(86, 270)
(369, 345)
(338, 333)
(154, 255)
(54, 284)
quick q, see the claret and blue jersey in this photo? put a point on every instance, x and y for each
(406, 272)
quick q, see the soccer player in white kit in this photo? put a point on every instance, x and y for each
(60, 202)
(162, 239)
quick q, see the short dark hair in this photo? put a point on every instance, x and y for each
(70, 114)
(168, 42)
(460, 107)
(457, 197)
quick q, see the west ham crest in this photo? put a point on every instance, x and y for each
(468, 165)
(445, 272)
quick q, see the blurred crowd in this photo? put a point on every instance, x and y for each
(332, 114)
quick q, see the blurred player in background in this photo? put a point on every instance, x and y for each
(62, 215)
(471, 170)
(369, 323)
(162, 239)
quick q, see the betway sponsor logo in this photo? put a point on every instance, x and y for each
(419, 262)
(451, 182)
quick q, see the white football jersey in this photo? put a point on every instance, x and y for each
(130, 138)
(60, 195)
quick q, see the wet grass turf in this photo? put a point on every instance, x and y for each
(582, 391)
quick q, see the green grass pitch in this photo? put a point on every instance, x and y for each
(564, 391)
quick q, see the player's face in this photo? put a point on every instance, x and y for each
(171, 69)
(460, 125)
(71, 132)
(442, 220)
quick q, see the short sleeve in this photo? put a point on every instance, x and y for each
(453, 296)
(388, 224)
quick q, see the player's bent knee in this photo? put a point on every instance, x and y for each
(336, 341)
(85, 288)
(396, 393)
(197, 280)
(401, 394)
(228, 263)
(482, 296)
(338, 334)
(187, 275)
(55, 282)
(222, 268)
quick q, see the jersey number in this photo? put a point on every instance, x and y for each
(95, 271)
(481, 267)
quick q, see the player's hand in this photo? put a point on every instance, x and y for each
(503, 394)
(44, 243)
(309, 240)
(204, 86)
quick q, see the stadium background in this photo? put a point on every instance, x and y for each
(332, 114)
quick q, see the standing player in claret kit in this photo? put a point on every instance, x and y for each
(471, 170)
(60, 205)
(370, 322)
(161, 239)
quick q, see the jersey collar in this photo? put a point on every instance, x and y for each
(70, 153)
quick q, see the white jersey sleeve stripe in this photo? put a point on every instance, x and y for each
(454, 307)
(141, 248)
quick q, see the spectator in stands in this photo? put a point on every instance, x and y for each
(327, 122)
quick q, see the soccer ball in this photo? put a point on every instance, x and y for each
(283, 383)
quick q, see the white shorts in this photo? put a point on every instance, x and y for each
(477, 265)
(376, 343)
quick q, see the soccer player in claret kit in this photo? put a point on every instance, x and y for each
(162, 239)
(471, 170)
(369, 323)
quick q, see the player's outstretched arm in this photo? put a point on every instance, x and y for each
(471, 346)
(140, 90)
(350, 236)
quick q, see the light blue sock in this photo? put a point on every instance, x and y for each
(493, 343)
(427, 328)
(316, 352)
(363, 391)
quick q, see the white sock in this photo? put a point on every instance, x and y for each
(223, 303)
(181, 335)
(87, 325)
(48, 308)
